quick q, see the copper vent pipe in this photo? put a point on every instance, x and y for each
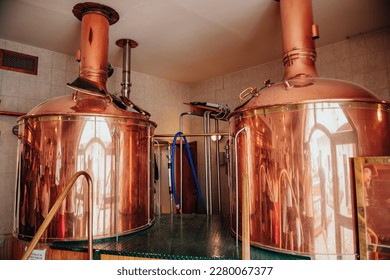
(95, 19)
(127, 45)
(299, 53)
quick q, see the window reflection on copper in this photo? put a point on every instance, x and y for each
(332, 140)
(95, 155)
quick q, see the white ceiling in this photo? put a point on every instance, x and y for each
(188, 41)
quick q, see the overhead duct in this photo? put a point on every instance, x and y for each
(293, 142)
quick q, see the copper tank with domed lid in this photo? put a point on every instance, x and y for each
(90, 130)
(294, 141)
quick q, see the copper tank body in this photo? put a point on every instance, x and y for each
(88, 130)
(294, 152)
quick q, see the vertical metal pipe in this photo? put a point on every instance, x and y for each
(90, 216)
(170, 179)
(246, 203)
(229, 179)
(236, 161)
(127, 45)
(126, 72)
(205, 164)
(209, 163)
(159, 179)
(117, 153)
(218, 171)
(181, 160)
(150, 158)
(181, 155)
(17, 192)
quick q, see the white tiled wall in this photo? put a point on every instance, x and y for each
(364, 60)
(7, 173)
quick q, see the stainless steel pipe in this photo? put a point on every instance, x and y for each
(127, 45)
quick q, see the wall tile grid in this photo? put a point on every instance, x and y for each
(7, 173)
(364, 60)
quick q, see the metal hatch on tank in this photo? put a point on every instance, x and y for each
(294, 141)
(90, 130)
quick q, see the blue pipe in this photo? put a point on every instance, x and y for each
(192, 168)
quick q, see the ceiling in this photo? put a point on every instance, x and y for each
(188, 41)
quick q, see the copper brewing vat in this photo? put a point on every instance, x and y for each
(90, 130)
(294, 152)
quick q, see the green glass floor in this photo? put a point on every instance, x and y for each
(177, 237)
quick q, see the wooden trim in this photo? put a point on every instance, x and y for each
(10, 113)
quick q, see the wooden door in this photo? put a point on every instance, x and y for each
(190, 193)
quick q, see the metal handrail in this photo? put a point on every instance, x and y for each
(54, 210)
(245, 217)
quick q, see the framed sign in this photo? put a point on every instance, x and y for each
(372, 181)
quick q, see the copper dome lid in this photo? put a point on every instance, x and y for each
(83, 104)
(304, 90)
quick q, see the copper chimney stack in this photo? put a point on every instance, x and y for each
(95, 20)
(299, 53)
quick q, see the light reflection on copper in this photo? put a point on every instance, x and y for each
(379, 114)
(287, 191)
